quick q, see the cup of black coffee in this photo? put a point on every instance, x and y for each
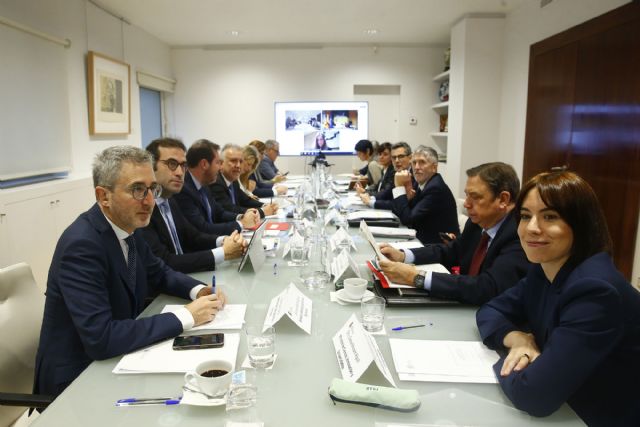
(211, 377)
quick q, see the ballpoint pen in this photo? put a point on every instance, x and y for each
(275, 269)
(400, 328)
(132, 401)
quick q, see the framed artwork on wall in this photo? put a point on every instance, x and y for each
(109, 86)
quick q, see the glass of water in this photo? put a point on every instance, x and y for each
(261, 346)
(298, 252)
(372, 312)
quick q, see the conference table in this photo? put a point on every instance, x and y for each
(295, 391)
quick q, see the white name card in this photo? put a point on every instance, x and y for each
(294, 304)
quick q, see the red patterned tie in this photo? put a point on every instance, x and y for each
(479, 254)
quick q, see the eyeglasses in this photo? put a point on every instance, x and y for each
(173, 164)
(140, 191)
(399, 157)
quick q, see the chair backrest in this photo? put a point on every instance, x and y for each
(21, 309)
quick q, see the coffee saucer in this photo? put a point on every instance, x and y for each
(194, 397)
(342, 296)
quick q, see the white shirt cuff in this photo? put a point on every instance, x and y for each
(372, 202)
(220, 241)
(240, 224)
(427, 281)
(218, 255)
(409, 257)
(193, 293)
(275, 192)
(398, 191)
(185, 317)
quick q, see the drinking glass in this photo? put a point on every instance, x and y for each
(261, 346)
(372, 311)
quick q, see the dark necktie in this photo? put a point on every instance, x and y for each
(205, 203)
(233, 194)
(166, 212)
(131, 259)
(479, 254)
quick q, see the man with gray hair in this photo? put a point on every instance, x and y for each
(101, 272)
(267, 169)
(226, 190)
(425, 203)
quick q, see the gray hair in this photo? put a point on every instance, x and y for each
(271, 143)
(108, 164)
(229, 147)
(407, 148)
(428, 153)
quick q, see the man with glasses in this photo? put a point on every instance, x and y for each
(401, 158)
(101, 272)
(488, 252)
(267, 169)
(169, 235)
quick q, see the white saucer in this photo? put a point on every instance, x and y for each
(342, 296)
(192, 397)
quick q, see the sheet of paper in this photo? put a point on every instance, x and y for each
(232, 317)
(408, 233)
(448, 361)
(296, 305)
(364, 228)
(162, 358)
(414, 244)
(356, 349)
(270, 243)
(370, 214)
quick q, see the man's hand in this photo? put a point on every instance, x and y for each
(281, 190)
(523, 350)
(366, 198)
(270, 208)
(233, 246)
(205, 307)
(392, 253)
(398, 272)
(411, 193)
(359, 189)
(250, 218)
(279, 178)
(402, 178)
(251, 185)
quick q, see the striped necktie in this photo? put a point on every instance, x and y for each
(166, 213)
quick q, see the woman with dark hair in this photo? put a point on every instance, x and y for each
(372, 170)
(570, 330)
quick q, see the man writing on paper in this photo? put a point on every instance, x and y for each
(226, 190)
(101, 272)
(195, 200)
(429, 207)
(488, 251)
(401, 157)
(169, 235)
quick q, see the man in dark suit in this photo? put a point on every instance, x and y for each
(488, 251)
(401, 157)
(169, 235)
(429, 207)
(267, 168)
(195, 200)
(226, 190)
(101, 272)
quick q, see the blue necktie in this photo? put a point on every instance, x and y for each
(131, 259)
(205, 203)
(166, 212)
(233, 194)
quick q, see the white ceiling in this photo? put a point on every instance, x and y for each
(278, 22)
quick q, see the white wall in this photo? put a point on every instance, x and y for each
(229, 95)
(90, 28)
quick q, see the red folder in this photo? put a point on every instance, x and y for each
(281, 226)
(378, 274)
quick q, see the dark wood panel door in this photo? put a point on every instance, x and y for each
(583, 111)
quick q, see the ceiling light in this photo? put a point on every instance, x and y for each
(371, 32)
(234, 33)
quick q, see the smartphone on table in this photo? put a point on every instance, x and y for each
(194, 342)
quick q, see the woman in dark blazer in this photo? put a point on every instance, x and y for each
(570, 330)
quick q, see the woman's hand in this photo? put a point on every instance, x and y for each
(523, 350)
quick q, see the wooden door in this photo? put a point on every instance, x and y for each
(584, 113)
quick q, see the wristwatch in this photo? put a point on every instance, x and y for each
(418, 280)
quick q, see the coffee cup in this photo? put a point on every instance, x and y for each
(211, 377)
(355, 287)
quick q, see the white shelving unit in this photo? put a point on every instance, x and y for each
(441, 108)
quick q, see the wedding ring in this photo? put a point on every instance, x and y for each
(525, 355)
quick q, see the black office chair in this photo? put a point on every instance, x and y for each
(20, 319)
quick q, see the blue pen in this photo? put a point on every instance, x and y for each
(401, 328)
(213, 282)
(275, 269)
(132, 401)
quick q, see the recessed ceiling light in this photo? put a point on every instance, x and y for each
(234, 33)
(371, 31)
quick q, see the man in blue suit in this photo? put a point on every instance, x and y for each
(101, 272)
(428, 206)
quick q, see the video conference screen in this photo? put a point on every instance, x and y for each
(305, 128)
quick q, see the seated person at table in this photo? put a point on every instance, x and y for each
(570, 329)
(251, 158)
(372, 171)
(401, 156)
(430, 208)
(261, 182)
(226, 189)
(195, 200)
(487, 252)
(169, 235)
(386, 181)
(267, 169)
(101, 272)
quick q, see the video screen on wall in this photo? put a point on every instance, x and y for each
(305, 128)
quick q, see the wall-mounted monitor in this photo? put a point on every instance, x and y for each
(304, 128)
